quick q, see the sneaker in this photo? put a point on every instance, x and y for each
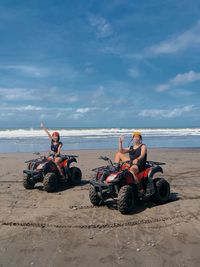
(116, 166)
(140, 188)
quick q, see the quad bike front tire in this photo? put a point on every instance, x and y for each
(50, 182)
(126, 199)
(162, 191)
(28, 182)
(75, 176)
(94, 198)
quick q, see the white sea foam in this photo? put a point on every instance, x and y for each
(103, 132)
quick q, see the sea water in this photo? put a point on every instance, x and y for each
(34, 140)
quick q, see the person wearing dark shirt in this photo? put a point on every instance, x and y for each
(137, 154)
(56, 146)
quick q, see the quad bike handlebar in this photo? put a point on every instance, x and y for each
(68, 156)
(129, 161)
(44, 157)
(106, 159)
(155, 163)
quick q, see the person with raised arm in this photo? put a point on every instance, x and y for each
(56, 146)
(137, 154)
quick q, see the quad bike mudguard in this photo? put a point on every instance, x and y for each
(69, 161)
(154, 170)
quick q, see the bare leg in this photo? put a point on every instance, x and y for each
(134, 170)
(120, 157)
(57, 161)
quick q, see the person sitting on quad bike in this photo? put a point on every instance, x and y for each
(56, 146)
(137, 155)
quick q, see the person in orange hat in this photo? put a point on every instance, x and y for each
(56, 146)
(137, 154)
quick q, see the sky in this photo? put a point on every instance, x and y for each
(108, 63)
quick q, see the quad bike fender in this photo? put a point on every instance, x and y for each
(50, 166)
(31, 172)
(100, 187)
(124, 177)
(154, 170)
(98, 184)
(69, 161)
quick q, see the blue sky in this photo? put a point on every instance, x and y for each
(120, 63)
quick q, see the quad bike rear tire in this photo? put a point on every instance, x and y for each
(162, 188)
(94, 198)
(27, 182)
(50, 182)
(75, 176)
(126, 199)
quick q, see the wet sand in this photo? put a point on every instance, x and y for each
(63, 228)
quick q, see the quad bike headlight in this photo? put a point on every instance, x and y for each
(111, 178)
(40, 166)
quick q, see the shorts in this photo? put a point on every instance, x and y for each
(141, 166)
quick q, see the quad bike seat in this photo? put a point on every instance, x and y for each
(67, 160)
(68, 156)
(144, 174)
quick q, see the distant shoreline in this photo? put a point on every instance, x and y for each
(32, 140)
(159, 149)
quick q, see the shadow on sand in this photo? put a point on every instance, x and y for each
(142, 204)
(62, 187)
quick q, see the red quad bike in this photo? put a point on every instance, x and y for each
(118, 183)
(44, 170)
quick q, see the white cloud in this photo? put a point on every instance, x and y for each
(134, 73)
(179, 79)
(67, 71)
(83, 110)
(54, 95)
(175, 44)
(29, 108)
(185, 78)
(28, 70)
(162, 87)
(188, 38)
(101, 26)
(166, 113)
(98, 95)
(18, 94)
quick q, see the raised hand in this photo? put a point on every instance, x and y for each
(121, 139)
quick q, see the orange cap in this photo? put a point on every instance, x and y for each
(137, 133)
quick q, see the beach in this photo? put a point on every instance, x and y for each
(63, 228)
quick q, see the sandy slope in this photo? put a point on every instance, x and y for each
(63, 229)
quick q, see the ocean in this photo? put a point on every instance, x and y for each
(35, 140)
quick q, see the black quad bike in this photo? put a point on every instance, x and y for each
(117, 183)
(44, 170)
